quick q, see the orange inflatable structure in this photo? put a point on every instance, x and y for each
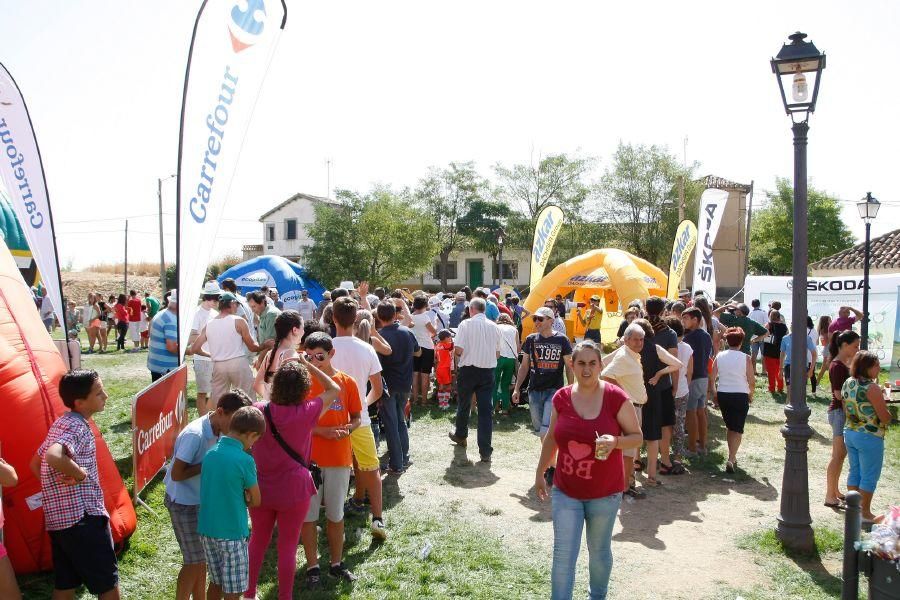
(615, 275)
(30, 370)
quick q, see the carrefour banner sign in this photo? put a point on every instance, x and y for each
(825, 295)
(549, 222)
(231, 49)
(685, 240)
(22, 173)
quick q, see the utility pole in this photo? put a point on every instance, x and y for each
(125, 290)
(162, 255)
(328, 169)
(681, 198)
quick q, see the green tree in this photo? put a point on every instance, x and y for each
(482, 225)
(772, 230)
(639, 193)
(447, 195)
(556, 179)
(379, 237)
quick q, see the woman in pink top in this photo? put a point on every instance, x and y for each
(591, 423)
(288, 331)
(285, 485)
(8, 586)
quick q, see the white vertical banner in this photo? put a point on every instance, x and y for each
(712, 207)
(22, 172)
(231, 49)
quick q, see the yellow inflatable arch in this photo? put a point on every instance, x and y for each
(615, 275)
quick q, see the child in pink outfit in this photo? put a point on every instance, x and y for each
(285, 486)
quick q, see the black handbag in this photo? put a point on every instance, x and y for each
(312, 467)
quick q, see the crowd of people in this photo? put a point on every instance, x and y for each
(333, 380)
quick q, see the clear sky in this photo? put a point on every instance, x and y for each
(386, 89)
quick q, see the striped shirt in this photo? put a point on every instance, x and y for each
(65, 505)
(163, 327)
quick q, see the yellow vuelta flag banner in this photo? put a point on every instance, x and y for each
(549, 222)
(685, 240)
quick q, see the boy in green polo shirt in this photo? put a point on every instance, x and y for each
(227, 487)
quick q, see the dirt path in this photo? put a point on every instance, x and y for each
(680, 542)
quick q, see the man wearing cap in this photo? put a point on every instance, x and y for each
(229, 339)
(591, 320)
(545, 354)
(459, 308)
(163, 347)
(265, 330)
(440, 318)
(209, 298)
(306, 307)
(685, 296)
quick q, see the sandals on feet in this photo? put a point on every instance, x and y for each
(676, 468)
(651, 482)
(635, 493)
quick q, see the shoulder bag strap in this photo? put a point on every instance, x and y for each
(284, 445)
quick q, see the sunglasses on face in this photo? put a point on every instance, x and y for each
(538, 319)
(319, 356)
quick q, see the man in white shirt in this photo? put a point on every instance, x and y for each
(358, 360)
(307, 309)
(202, 364)
(761, 317)
(229, 339)
(477, 347)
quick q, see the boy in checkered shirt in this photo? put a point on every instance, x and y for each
(74, 513)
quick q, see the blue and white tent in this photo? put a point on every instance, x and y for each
(277, 272)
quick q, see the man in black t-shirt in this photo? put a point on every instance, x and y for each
(546, 354)
(701, 343)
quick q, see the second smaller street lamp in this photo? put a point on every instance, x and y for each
(798, 68)
(868, 207)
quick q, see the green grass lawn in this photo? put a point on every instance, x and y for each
(491, 539)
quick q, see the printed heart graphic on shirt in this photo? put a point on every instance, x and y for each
(579, 450)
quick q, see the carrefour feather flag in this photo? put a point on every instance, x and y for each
(22, 172)
(231, 49)
(549, 222)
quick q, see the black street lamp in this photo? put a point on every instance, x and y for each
(868, 210)
(500, 261)
(794, 66)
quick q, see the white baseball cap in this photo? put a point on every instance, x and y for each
(212, 288)
(545, 312)
(173, 297)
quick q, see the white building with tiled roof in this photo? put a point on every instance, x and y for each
(884, 258)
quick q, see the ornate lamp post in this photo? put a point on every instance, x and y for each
(500, 259)
(868, 210)
(798, 69)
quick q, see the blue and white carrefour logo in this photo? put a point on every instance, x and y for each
(248, 21)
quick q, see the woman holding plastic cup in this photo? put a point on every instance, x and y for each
(591, 423)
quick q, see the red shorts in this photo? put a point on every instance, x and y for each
(443, 375)
(145, 334)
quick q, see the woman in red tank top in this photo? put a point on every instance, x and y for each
(591, 423)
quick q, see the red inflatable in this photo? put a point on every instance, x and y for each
(30, 369)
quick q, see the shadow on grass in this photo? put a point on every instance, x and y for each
(462, 472)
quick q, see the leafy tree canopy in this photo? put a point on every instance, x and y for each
(772, 230)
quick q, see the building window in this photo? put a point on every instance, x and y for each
(270, 232)
(510, 270)
(290, 229)
(451, 270)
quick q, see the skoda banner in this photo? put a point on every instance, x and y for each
(712, 207)
(158, 415)
(825, 295)
(22, 172)
(231, 49)
(549, 222)
(685, 240)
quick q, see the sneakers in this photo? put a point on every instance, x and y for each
(378, 530)
(355, 506)
(313, 579)
(339, 571)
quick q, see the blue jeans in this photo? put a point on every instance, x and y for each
(540, 403)
(393, 427)
(480, 382)
(569, 517)
(865, 453)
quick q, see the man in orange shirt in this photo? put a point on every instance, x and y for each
(332, 451)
